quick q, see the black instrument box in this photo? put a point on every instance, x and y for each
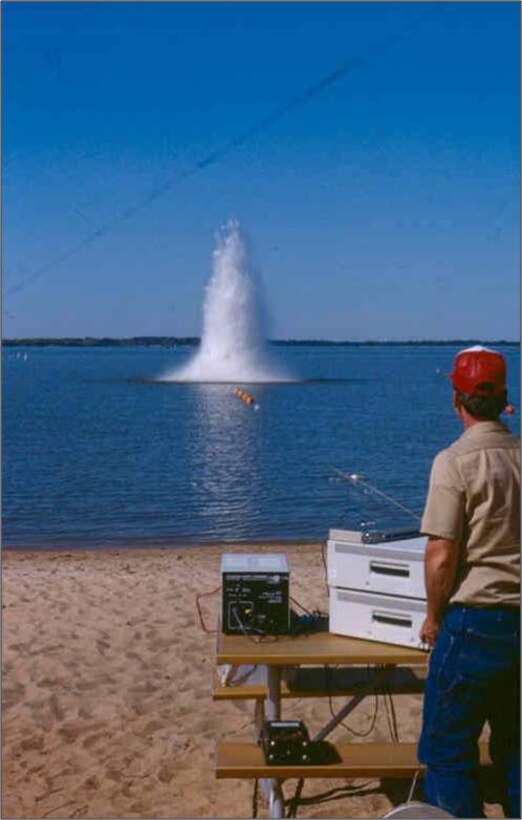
(285, 742)
(255, 594)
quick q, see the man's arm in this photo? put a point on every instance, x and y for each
(440, 570)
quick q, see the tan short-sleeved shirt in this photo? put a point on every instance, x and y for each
(474, 500)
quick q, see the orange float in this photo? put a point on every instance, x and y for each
(244, 396)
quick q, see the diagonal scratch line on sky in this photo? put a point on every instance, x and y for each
(348, 65)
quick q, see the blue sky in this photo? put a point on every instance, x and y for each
(385, 206)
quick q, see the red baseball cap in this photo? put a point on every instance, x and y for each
(479, 372)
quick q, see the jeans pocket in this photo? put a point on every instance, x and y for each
(485, 656)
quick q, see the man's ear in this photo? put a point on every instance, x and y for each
(457, 404)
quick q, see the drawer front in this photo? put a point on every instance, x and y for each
(381, 570)
(376, 617)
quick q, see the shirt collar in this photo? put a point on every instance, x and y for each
(484, 427)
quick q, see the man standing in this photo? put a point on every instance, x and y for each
(472, 574)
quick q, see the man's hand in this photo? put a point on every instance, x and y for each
(429, 631)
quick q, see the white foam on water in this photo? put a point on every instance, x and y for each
(232, 346)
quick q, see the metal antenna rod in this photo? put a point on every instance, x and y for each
(355, 478)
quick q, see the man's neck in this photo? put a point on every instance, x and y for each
(468, 420)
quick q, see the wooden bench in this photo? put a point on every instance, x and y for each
(315, 682)
(373, 760)
(329, 666)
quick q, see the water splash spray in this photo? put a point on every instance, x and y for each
(232, 345)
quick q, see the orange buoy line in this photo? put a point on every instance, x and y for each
(244, 396)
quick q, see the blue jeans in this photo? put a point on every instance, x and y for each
(474, 677)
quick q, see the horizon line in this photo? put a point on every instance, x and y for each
(192, 340)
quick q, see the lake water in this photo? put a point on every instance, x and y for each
(97, 452)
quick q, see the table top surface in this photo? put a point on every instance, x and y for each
(319, 648)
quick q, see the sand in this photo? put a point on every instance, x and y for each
(107, 690)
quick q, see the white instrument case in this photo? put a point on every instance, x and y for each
(394, 567)
(385, 618)
(376, 585)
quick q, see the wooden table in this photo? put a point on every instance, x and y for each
(320, 649)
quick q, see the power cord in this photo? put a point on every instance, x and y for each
(200, 613)
(391, 715)
(294, 601)
(302, 624)
(254, 797)
(349, 728)
(258, 637)
(324, 797)
(297, 800)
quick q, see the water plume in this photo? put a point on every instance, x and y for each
(232, 346)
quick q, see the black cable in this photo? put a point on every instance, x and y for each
(295, 801)
(391, 716)
(354, 731)
(395, 728)
(243, 628)
(294, 601)
(331, 794)
(259, 636)
(349, 728)
(388, 719)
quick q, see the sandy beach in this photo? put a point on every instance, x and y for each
(107, 690)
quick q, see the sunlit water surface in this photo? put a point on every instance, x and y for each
(96, 451)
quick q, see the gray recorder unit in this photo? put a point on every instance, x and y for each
(255, 594)
(376, 585)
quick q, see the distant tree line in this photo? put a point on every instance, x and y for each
(192, 341)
